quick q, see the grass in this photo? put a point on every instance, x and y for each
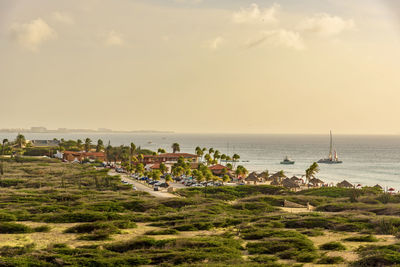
(70, 214)
(364, 238)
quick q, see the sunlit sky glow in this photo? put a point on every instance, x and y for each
(201, 65)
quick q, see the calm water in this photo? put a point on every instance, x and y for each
(366, 159)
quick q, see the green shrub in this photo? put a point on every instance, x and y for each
(365, 238)
(264, 259)
(7, 217)
(124, 224)
(313, 232)
(8, 251)
(91, 227)
(42, 229)
(163, 232)
(337, 246)
(186, 227)
(306, 257)
(371, 256)
(14, 228)
(135, 244)
(87, 216)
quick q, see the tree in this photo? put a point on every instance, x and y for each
(211, 150)
(140, 157)
(217, 155)
(79, 144)
(175, 148)
(235, 158)
(88, 143)
(161, 151)
(5, 141)
(312, 171)
(100, 145)
(108, 151)
(163, 168)
(199, 152)
(132, 150)
(208, 159)
(168, 179)
(139, 169)
(225, 178)
(156, 175)
(20, 140)
(241, 171)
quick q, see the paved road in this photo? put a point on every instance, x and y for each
(142, 187)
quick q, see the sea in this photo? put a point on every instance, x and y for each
(367, 160)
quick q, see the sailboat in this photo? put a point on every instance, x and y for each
(332, 157)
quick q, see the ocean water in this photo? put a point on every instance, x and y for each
(367, 160)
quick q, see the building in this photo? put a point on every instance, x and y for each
(44, 143)
(80, 156)
(219, 169)
(169, 157)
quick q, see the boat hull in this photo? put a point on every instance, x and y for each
(287, 162)
(328, 161)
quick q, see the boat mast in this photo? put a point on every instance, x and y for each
(330, 146)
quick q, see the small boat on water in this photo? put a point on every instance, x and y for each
(287, 161)
(332, 157)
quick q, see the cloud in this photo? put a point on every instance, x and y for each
(216, 43)
(254, 14)
(326, 25)
(63, 18)
(33, 34)
(278, 38)
(114, 38)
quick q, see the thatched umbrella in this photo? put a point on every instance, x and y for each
(253, 177)
(316, 182)
(344, 184)
(288, 183)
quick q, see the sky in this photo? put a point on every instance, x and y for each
(201, 66)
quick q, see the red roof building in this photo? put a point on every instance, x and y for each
(79, 156)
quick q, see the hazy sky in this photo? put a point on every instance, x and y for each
(235, 66)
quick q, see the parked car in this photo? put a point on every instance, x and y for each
(165, 185)
(156, 188)
(134, 188)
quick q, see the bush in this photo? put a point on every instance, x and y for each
(337, 246)
(163, 232)
(137, 243)
(42, 229)
(92, 227)
(14, 228)
(73, 217)
(124, 224)
(306, 257)
(365, 238)
(7, 217)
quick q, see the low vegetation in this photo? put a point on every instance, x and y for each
(56, 214)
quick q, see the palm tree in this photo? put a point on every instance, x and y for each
(88, 143)
(140, 157)
(199, 152)
(132, 150)
(20, 140)
(175, 148)
(5, 141)
(208, 159)
(312, 171)
(211, 150)
(100, 145)
(235, 158)
(217, 155)
(79, 144)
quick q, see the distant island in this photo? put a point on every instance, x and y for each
(66, 130)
